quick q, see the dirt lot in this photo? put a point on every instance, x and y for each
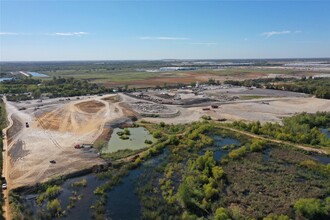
(264, 110)
(54, 128)
(263, 105)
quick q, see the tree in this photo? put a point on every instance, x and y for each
(162, 124)
(217, 172)
(221, 214)
(184, 194)
(36, 94)
(310, 208)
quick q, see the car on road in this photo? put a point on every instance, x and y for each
(4, 186)
(4, 183)
(52, 161)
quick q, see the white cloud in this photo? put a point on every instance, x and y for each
(9, 33)
(70, 33)
(273, 33)
(163, 38)
(51, 34)
(206, 44)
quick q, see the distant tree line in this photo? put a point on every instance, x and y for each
(320, 87)
(29, 88)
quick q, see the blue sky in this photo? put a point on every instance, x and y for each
(117, 30)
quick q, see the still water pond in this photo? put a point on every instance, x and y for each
(136, 140)
(35, 74)
(220, 142)
(82, 209)
(5, 79)
(326, 132)
(123, 202)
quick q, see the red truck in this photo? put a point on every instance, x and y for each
(78, 146)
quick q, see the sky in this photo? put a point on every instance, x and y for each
(48, 30)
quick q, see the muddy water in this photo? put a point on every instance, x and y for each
(135, 141)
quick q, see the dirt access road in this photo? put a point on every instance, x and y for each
(300, 146)
(55, 127)
(6, 166)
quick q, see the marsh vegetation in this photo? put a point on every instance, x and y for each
(205, 171)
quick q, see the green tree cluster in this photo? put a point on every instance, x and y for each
(200, 186)
(301, 128)
(312, 208)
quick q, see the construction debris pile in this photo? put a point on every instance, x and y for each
(148, 107)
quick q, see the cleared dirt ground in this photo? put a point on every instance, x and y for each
(263, 110)
(54, 128)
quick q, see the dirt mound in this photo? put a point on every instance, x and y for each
(75, 118)
(90, 106)
(111, 99)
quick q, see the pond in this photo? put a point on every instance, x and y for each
(326, 132)
(123, 196)
(219, 143)
(136, 140)
(266, 155)
(35, 74)
(5, 79)
(322, 159)
(120, 199)
(82, 209)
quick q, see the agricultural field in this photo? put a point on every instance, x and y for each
(139, 74)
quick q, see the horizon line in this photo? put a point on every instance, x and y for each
(165, 59)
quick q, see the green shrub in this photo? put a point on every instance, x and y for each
(50, 193)
(221, 214)
(120, 133)
(81, 183)
(310, 208)
(148, 142)
(54, 207)
(238, 153)
(127, 132)
(157, 134)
